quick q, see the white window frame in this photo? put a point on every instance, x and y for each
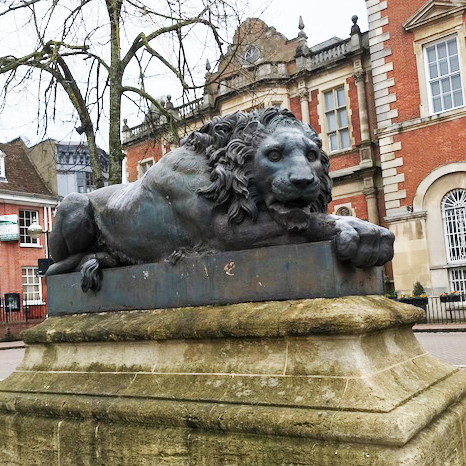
(439, 78)
(31, 242)
(2, 166)
(424, 36)
(144, 162)
(347, 206)
(334, 110)
(453, 209)
(32, 279)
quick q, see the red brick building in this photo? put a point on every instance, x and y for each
(418, 56)
(24, 199)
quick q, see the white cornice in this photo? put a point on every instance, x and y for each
(10, 197)
(433, 11)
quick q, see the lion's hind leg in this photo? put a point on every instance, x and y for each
(73, 235)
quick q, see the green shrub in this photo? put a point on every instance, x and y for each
(418, 290)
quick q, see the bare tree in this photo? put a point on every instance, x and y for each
(98, 53)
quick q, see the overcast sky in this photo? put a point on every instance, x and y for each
(322, 21)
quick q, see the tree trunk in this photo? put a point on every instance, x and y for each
(116, 75)
(94, 158)
(74, 93)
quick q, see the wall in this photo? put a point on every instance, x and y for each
(42, 156)
(141, 151)
(13, 257)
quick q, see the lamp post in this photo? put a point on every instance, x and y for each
(35, 231)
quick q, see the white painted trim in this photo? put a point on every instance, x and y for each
(394, 195)
(2, 166)
(376, 70)
(379, 39)
(24, 199)
(431, 178)
(390, 147)
(370, 3)
(384, 84)
(376, 23)
(392, 204)
(394, 179)
(378, 7)
(390, 188)
(392, 163)
(386, 157)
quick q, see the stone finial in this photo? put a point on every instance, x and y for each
(125, 124)
(301, 33)
(355, 29)
(207, 66)
(169, 104)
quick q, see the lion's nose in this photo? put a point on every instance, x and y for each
(301, 181)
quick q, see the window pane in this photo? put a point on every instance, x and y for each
(443, 65)
(445, 85)
(341, 97)
(431, 57)
(342, 118)
(435, 86)
(442, 50)
(433, 71)
(454, 64)
(344, 138)
(452, 49)
(456, 82)
(447, 101)
(329, 101)
(437, 104)
(31, 285)
(331, 123)
(26, 217)
(454, 222)
(333, 141)
(457, 98)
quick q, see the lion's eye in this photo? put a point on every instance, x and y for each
(274, 155)
(312, 155)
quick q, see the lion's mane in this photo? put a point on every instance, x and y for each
(229, 143)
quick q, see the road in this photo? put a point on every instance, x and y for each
(450, 347)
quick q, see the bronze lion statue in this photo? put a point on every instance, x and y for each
(241, 181)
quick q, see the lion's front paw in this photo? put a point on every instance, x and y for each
(363, 244)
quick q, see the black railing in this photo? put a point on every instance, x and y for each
(441, 309)
(24, 313)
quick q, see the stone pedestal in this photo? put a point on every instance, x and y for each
(319, 382)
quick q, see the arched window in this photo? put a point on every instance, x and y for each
(454, 224)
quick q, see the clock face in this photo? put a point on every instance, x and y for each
(251, 55)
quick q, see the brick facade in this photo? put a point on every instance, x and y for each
(422, 153)
(22, 189)
(146, 149)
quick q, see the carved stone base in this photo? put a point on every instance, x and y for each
(317, 382)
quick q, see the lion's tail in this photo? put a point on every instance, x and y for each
(92, 275)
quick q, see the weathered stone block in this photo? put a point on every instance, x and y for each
(307, 382)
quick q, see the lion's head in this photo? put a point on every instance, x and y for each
(266, 158)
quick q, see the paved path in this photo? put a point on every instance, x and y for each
(9, 360)
(450, 347)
